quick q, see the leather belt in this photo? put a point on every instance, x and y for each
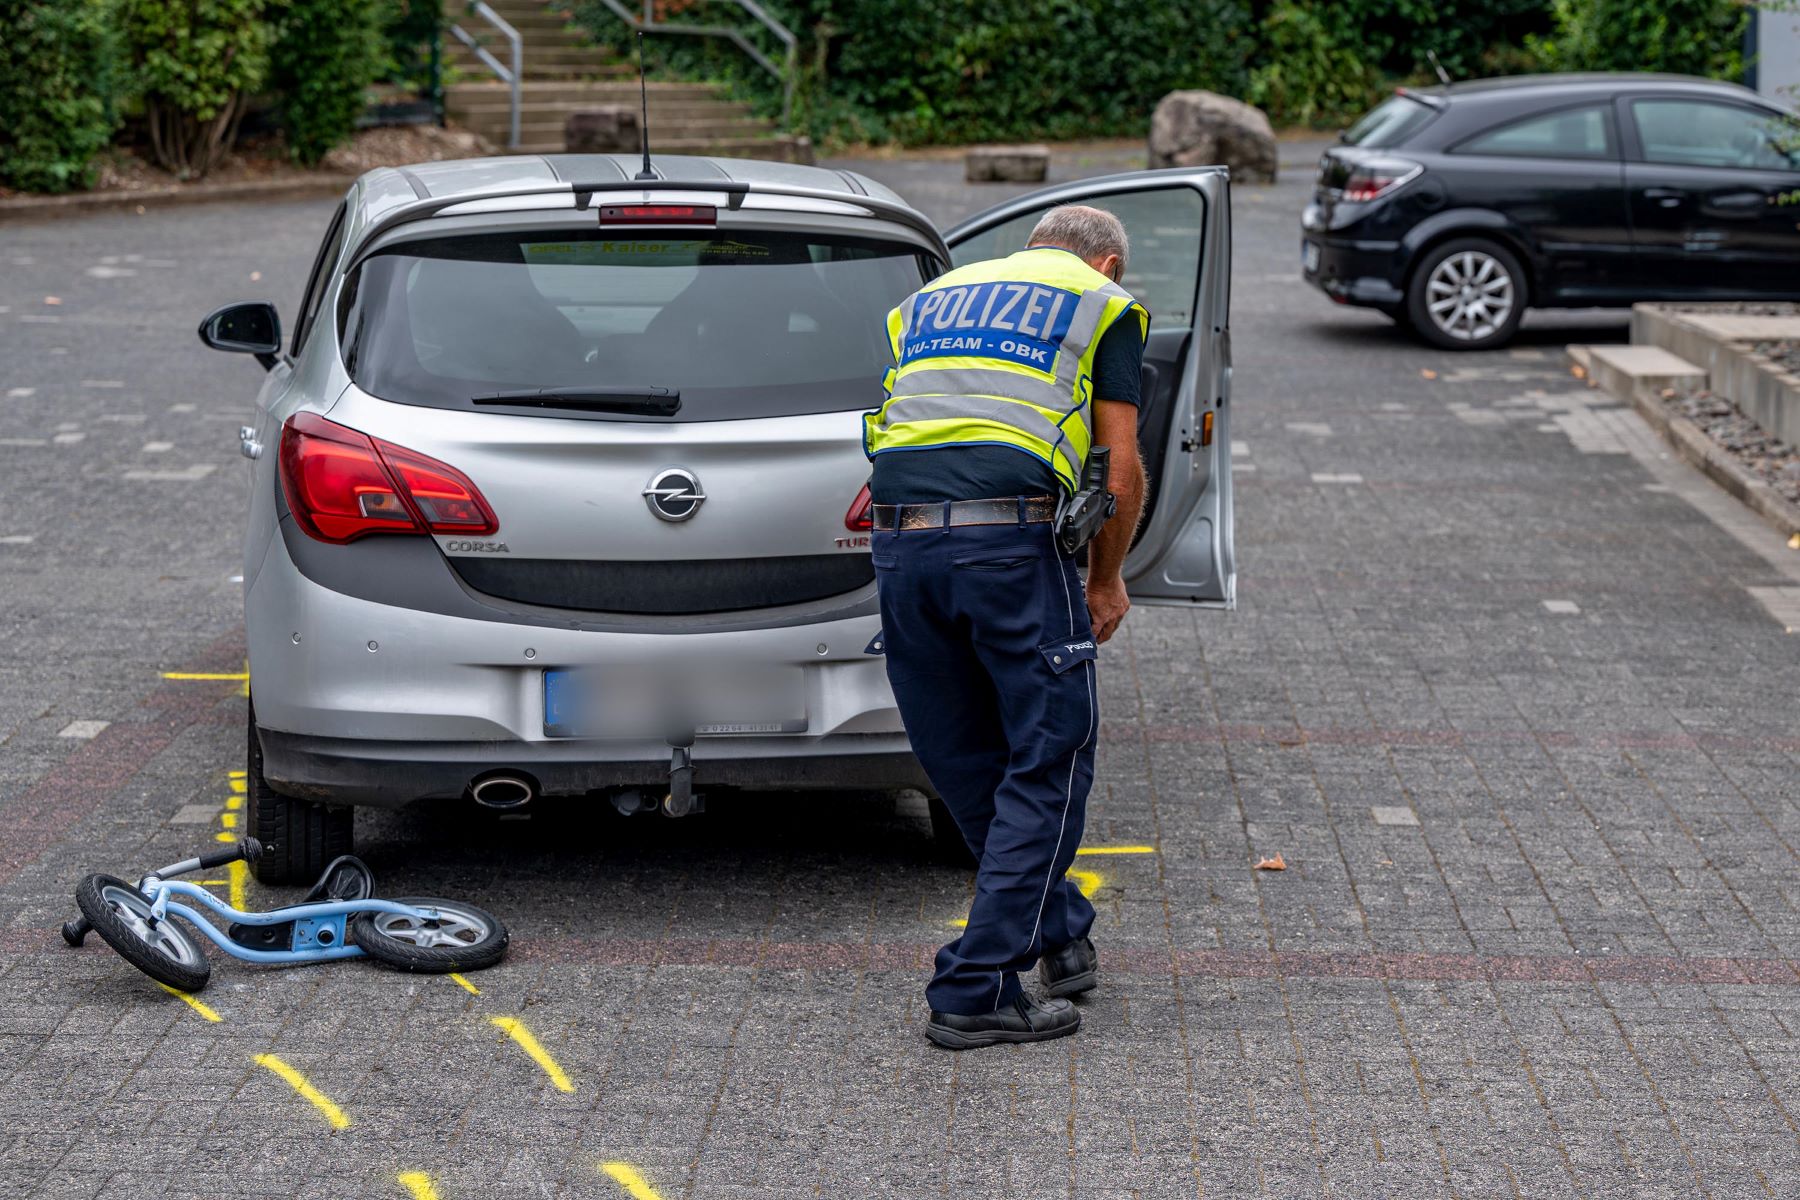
(1010, 510)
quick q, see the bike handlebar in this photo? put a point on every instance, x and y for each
(249, 849)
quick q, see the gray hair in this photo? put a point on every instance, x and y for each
(1089, 232)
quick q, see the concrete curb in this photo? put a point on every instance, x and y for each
(1691, 442)
(17, 209)
(1758, 386)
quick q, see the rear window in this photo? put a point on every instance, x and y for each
(1389, 123)
(742, 323)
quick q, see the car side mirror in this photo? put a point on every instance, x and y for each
(250, 327)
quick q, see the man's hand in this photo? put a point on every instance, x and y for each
(1107, 605)
(1115, 426)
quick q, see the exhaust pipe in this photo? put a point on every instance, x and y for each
(503, 791)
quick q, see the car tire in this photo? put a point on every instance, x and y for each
(299, 837)
(947, 844)
(1467, 294)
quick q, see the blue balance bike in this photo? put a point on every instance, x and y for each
(339, 918)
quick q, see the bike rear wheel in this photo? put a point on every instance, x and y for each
(463, 938)
(161, 949)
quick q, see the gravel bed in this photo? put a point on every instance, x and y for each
(1762, 453)
(1784, 354)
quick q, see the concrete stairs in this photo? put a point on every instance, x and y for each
(564, 73)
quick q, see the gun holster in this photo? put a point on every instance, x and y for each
(1080, 516)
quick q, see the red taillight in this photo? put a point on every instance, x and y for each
(659, 214)
(860, 518)
(1375, 178)
(342, 485)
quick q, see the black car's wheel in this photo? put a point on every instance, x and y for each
(298, 836)
(1467, 294)
(461, 938)
(161, 949)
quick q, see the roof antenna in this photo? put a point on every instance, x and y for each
(648, 172)
(1430, 55)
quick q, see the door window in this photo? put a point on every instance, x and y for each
(1163, 268)
(1699, 133)
(316, 283)
(1570, 133)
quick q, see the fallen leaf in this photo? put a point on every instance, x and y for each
(52, 299)
(1272, 864)
(1578, 371)
(255, 275)
(1429, 374)
(1794, 541)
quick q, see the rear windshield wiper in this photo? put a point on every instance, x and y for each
(651, 401)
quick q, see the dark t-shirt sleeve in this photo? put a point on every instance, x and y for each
(1119, 363)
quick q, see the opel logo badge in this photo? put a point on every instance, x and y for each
(674, 494)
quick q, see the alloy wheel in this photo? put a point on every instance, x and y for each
(1469, 295)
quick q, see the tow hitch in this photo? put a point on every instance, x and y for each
(680, 800)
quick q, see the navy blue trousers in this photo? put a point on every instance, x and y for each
(991, 657)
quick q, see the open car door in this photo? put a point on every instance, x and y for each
(1179, 222)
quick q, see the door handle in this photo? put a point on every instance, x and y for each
(1665, 197)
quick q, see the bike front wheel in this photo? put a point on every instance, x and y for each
(461, 937)
(161, 949)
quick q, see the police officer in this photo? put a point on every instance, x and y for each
(1007, 373)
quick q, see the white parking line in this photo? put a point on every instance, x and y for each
(1565, 607)
(158, 447)
(85, 730)
(11, 441)
(19, 393)
(17, 539)
(1328, 478)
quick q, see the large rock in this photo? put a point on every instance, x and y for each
(605, 129)
(1193, 129)
(1006, 164)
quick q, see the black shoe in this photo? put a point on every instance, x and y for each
(1072, 970)
(1024, 1020)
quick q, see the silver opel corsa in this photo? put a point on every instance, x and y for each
(558, 488)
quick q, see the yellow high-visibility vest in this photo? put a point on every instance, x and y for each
(1001, 353)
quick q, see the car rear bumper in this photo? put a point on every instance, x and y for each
(361, 702)
(1356, 272)
(388, 773)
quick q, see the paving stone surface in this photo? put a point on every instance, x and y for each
(1472, 594)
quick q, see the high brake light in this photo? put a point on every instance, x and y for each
(1376, 177)
(659, 214)
(861, 517)
(342, 485)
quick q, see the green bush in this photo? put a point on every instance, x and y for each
(195, 64)
(1691, 37)
(1305, 74)
(56, 108)
(326, 54)
(967, 70)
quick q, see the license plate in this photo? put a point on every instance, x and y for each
(1309, 256)
(656, 703)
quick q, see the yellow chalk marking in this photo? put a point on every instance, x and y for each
(419, 1184)
(1117, 850)
(233, 803)
(228, 820)
(206, 675)
(626, 1176)
(225, 837)
(515, 1029)
(1088, 881)
(237, 782)
(308, 1092)
(240, 875)
(960, 923)
(203, 1009)
(464, 984)
(237, 775)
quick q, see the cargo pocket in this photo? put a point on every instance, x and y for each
(1065, 653)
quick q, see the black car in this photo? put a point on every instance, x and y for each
(1453, 209)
